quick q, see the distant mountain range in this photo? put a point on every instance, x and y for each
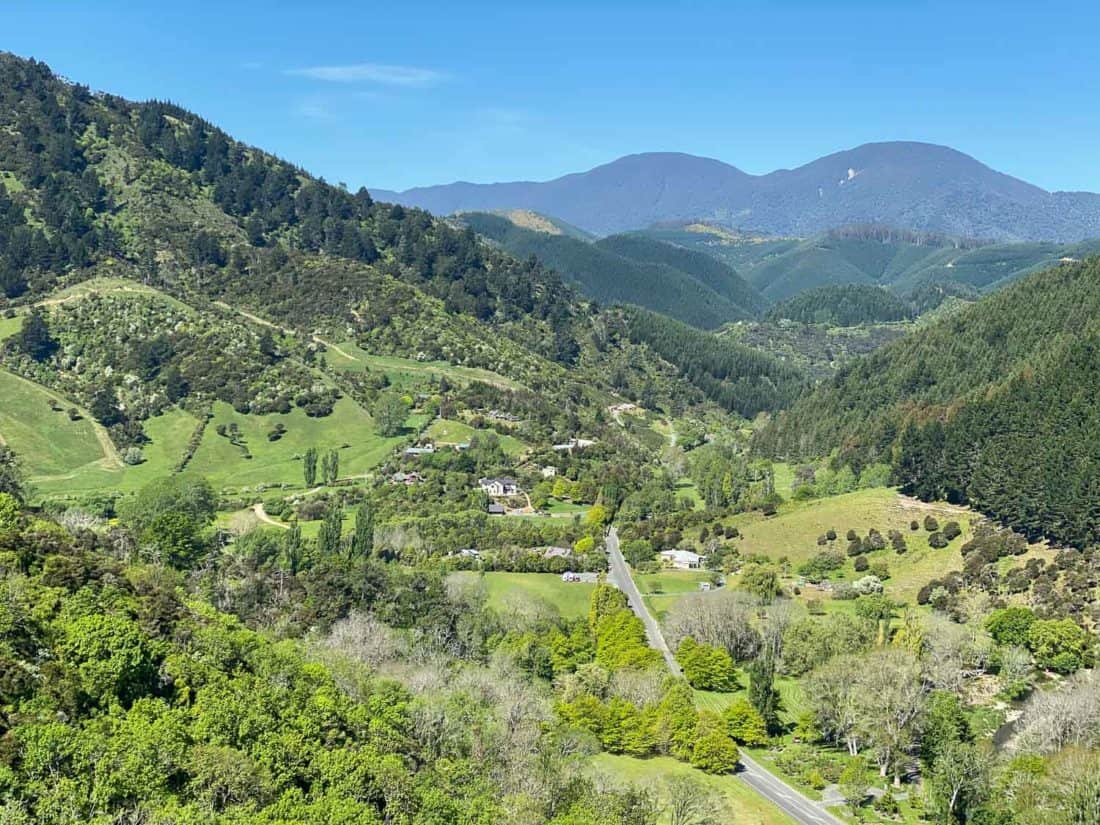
(918, 186)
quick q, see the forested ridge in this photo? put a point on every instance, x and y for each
(737, 377)
(91, 178)
(994, 405)
(624, 269)
(846, 305)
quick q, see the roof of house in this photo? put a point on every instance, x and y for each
(496, 509)
(681, 555)
(485, 482)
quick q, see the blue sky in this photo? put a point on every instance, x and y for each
(400, 94)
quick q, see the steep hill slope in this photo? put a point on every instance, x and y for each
(163, 274)
(993, 405)
(677, 282)
(908, 184)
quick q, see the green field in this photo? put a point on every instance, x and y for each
(66, 458)
(49, 444)
(570, 598)
(661, 590)
(10, 326)
(794, 531)
(349, 429)
(685, 488)
(745, 805)
(168, 435)
(444, 431)
(792, 703)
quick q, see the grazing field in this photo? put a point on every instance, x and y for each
(349, 429)
(661, 590)
(10, 326)
(444, 431)
(571, 599)
(168, 435)
(49, 443)
(745, 805)
(793, 534)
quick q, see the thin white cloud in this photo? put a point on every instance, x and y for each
(386, 75)
(312, 109)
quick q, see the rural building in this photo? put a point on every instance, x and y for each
(496, 509)
(427, 449)
(557, 553)
(549, 471)
(574, 444)
(499, 486)
(681, 559)
(408, 479)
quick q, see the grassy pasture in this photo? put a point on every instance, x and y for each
(47, 441)
(275, 462)
(794, 531)
(570, 598)
(445, 431)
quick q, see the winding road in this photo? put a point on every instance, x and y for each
(791, 801)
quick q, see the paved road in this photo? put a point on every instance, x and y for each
(619, 575)
(791, 801)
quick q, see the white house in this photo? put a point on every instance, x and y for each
(499, 486)
(549, 471)
(427, 449)
(682, 559)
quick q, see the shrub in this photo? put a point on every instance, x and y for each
(951, 530)
(855, 547)
(930, 523)
(814, 779)
(937, 540)
(851, 535)
(861, 564)
(821, 565)
(887, 804)
(830, 534)
(132, 456)
(867, 585)
(913, 525)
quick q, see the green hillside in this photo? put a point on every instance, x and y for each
(992, 405)
(680, 286)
